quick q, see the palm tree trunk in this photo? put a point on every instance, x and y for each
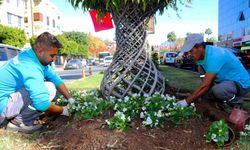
(131, 71)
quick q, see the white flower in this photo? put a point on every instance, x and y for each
(126, 98)
(141, 115)
(107, 121)
(119, 100)
(159, 114)
(85, 103)
(134, 95)
(129, 119)
(123, 117)
(143, 108)
(124, 109)
(149, 121)
(213, 136)
(115, 108)
(145, 95)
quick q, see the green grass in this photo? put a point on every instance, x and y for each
(11, 141)
(183, 80)
(91, 82)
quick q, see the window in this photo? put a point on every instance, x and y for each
(241, 16)
(25, 19)
(47, 19)
(38, 17)
(9, 17)
(19, 21)
(54, 23)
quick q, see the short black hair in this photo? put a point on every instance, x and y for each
(47, 40)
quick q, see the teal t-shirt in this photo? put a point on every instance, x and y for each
(25, 70)
(225, 65)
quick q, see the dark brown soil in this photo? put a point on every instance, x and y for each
(75, 133)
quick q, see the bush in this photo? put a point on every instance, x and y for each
(12, 36)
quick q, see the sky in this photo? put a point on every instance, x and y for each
(201, 15)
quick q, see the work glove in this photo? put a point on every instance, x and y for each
(183, 103)
(65, 111)
(71, 100)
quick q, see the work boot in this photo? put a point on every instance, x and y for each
(15, 127)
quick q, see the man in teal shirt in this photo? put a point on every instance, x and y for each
(24, 94)
(225, 79)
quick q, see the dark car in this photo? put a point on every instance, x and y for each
(187, 62)
(7, 52)
(73, 64)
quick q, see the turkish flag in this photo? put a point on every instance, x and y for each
(104, 23)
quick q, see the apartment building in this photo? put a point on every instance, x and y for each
(46, 17)
(12, 12)
(34, 16)
(234, 23)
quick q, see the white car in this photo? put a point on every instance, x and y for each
(169, 58)
(107, 60)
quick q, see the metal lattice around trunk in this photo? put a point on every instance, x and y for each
(131, 71)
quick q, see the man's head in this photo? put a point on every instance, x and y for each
(46, 48)
(194, 45)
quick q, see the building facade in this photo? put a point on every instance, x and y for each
(234, 23)
(12, 12)
(34, 16)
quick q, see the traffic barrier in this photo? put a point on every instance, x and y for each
(83, 72)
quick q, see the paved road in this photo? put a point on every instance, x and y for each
(70, 75)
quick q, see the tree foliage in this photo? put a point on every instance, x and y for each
(115, 6)
(12, 36)
(96, 45)
(171, 36)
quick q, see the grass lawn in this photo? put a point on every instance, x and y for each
(183, 80)
(91, 82)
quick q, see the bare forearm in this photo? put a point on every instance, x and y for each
(54, 109)
(64, 91)
(197, 94)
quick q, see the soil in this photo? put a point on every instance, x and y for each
(72, 133)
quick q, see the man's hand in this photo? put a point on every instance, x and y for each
(65, 111)
(182, 103)
(71, 100)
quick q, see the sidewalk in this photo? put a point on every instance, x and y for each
(58, 68)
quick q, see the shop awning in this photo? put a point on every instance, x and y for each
(245, 48)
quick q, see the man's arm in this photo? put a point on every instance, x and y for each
(63, 90)
(54, 109)
(204, 87)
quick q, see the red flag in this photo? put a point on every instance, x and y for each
(104, 23)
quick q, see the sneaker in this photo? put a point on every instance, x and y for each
(23, 128)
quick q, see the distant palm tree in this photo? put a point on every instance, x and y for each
(208, 31)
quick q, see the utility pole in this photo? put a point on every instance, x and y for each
(32, 18)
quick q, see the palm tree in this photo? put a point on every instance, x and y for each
(208, 31)
(131, 71)
(1, 2)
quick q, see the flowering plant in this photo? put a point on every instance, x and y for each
(218, 132)
(245, 137)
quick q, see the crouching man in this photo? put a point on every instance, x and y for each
(226, 79)
(28, 85)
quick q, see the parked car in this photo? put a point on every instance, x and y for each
(73, 64)
(169, 57)
(186, 61)
(7, 52)
(91, 61)
(107, 60)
